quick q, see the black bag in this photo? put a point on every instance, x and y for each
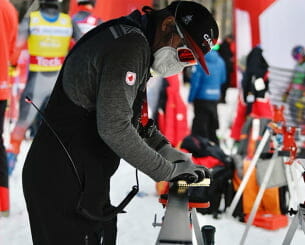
(221, 186)
(203, 147)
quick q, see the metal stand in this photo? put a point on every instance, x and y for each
(259, 196)
(249, 171)
(299, 218)
(179, 219)
(278, 118)
(288, 146)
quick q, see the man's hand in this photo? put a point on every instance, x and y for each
(187, 171)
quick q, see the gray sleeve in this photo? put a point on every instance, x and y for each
(76, 34)
(157, 140)
(23, 32)
(114, 106)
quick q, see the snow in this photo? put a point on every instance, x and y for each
(135, 227)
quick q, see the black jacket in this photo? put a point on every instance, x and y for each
(94, 108)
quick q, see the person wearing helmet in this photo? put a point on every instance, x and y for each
(295, 94)
(47, 33)
(84, 16)
(96, 116)
(298, 54)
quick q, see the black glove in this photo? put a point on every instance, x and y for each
(187, 171)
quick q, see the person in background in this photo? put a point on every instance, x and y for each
(84, 17)
(253, 98)
(295, 94)
(225, 51)
(255, 82)
(96, 116)
(8, 33)
(48, 33)
(205, 92)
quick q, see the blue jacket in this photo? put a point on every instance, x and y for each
(208, 87)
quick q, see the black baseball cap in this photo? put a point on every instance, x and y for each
(198, 26)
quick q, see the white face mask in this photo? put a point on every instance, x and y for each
(166, 62)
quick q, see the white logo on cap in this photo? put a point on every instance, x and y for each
(208, 39)
(130, 78)
(187, 19)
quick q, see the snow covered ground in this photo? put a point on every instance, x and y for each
(135, 227)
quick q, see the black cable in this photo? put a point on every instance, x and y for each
(123, 203)
(137, 178)
(28, 100)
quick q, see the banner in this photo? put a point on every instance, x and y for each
(247, 28)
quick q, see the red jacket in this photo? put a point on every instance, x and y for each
(8, 33)
(173, 121)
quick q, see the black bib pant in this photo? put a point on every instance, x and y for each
(58, 222)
